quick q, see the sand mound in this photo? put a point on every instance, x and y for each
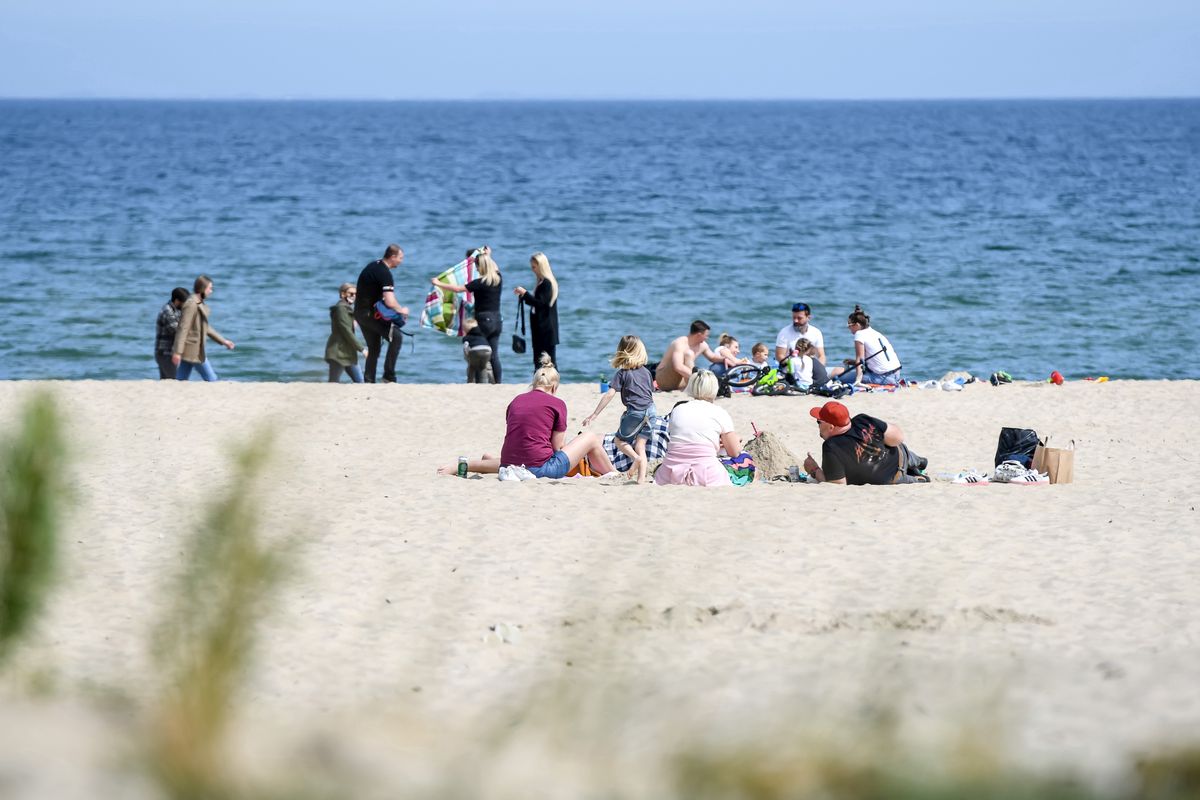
(771, 457)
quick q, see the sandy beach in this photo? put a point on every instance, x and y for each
(1060, 620)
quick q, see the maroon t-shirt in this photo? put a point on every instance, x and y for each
(532, 418)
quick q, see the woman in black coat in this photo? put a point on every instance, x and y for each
(543, 309)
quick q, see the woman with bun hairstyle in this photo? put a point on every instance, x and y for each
(875, 360)
(730, 354)
(535, 443)
(342, 347)
(543, 309)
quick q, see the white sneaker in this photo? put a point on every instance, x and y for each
(1014, 472)
(971, 478)
(509, 474)
(522, 474)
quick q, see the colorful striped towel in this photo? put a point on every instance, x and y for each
(446, 311)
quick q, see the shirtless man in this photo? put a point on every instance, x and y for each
(679, 360)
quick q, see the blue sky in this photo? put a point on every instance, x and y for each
(471, 49)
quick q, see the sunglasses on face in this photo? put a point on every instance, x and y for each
(800, 307)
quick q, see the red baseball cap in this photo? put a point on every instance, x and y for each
(832, 412)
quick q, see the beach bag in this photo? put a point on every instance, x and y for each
(582, 469)
(1016, 444)
(1057, 462)
(385, 314)
(518, 343)
(834, 389)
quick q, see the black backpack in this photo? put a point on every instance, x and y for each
(1016, 444)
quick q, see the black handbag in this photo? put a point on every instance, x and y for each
(519, 338)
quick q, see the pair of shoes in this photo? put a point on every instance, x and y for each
(971, 478)
(1015, 472)
(516, 474)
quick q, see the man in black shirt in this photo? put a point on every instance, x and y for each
(863, 450)
(374, 285)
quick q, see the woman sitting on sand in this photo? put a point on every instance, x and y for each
(534, 441)
(875, 360)
(729, 353)
(697, 430)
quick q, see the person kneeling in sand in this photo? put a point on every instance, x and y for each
(534, 443)
(680, 359)
(862, 450)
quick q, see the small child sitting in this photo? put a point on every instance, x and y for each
(759, 356)
(802, 367)
(478, 354)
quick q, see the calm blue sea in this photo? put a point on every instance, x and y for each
(1024, 236)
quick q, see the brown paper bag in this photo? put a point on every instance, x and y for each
(1057, 462)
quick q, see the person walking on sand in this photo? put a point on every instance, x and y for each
(164, 332)
(862, 450)
(800, 328)
(535, 443)
(375, 285)
(187, 353)
(636, 386)
(680, 359)
(486, 289)
(342, 347)
(543, 310)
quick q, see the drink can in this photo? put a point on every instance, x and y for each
(794, 474)
(462, 466)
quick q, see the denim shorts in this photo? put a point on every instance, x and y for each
(634, 424)
(557, 466)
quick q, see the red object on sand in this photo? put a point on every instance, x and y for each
(1056, 378)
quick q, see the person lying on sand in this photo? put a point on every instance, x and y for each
(862, 450)
(680, 359)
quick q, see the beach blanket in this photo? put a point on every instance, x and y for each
(447, 311)
(656, 445)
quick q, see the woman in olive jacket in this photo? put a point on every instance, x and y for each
(543, 310)
(343, 347)
(188, 352)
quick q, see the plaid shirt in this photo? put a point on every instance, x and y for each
(168, 323)
(656, 445)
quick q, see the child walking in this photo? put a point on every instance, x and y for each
(478, 354)
(636, 385)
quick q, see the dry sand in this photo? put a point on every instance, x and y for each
(1064, 616)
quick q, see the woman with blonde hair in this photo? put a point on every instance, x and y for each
(697, 431)
(730, 354)
(342, 347)
(543, 309)
(636, 385)
(486, 289)
(535, 443)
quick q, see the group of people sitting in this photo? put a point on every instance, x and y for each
(856, 450)
(799, 354)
